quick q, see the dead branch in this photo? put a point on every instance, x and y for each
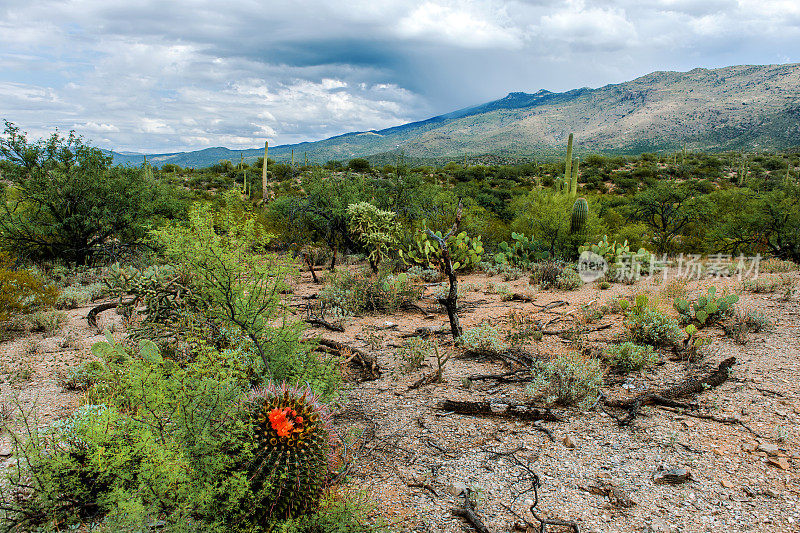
(669, 396)
(506, 410)
(91, 318)
(316, 321)
(510, 357)
(731, 420)
(368, 362)
(468, 512)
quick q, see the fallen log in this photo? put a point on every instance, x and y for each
(314, 321)
(669, 396)
(468, 512)
(91, 318)
(368, 362)
(506, 410)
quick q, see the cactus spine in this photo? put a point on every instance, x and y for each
(580, 212)
(568, 161)
(290, 466)
(264, 172)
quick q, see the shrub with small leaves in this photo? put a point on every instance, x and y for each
(47, 321)
(483, 338)
(650, 326)
(546, 273)
(84, 375)
(78, 296)
(22, 291)
(567, 380)
(627, 357)
(356, 293)
(604, 285)
(568, 279)
(413, 354)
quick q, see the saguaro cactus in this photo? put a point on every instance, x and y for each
(573, 182)
(568, 161)
(264, 172)
(580, 212)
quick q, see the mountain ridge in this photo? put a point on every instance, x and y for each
(736, 107)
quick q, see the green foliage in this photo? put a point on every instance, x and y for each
(77, 296)
(414, 352)
(21, 291)
(523, 252)
(363, 292)
(483, 338)
(290, 465)
(336, 515)
(707, 308)
(568, 279)
(428, 275)
(359, 165)
(567, 379)
(627, 357)
(550, 273)
(84, 375)
(47, 321)
(465, 251)
(374, 229)
(67, 202)
(646, 325)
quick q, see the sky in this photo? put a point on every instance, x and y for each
(174, 75)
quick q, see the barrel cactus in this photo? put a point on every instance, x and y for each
(580, 212)
(291, 461)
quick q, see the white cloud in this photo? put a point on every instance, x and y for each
(460, 26)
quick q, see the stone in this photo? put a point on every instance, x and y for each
(457, 488)
(568, 442)
(725, 483)
(768, 447)
(780, 462)
(673, 475)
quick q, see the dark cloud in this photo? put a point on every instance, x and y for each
(153, 75)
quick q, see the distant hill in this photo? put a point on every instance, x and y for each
(739, 107)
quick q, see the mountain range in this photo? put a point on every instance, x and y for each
(752, 107)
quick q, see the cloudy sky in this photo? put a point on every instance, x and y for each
(165, 75)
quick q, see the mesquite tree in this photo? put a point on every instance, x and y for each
(451, 301)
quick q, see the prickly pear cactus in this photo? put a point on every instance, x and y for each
(290, 467)
(707, 308)
(465, 251)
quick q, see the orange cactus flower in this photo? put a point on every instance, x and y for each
(279, 422)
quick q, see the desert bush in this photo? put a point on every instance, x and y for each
(604, 285)
(774, 265)
(546, 273)
(568, 279)
(414, 352)
(78, 296)
(783, 283)
(483, 338)
(650, 326)
(627, 357)
(22, 291)
(566, 379)
(83, 376)
(362, 292)
(739, 324)
(48, 322)
(428, 275)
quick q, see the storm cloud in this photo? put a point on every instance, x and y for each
(161, 76)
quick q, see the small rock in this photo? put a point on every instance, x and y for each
(673, 475)
(749, 447)
(388, 325)
(725, 483)
(780, 462)
(568, 442)
(768, 447)
(457, 488)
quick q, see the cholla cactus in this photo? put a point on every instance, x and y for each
(291, 462)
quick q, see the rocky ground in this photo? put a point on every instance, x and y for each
(413, 460)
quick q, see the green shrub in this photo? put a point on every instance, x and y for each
(782, 283)
(428, 275)
(567, 380)
(628, 356)
(84, 376)
(363, 292)
(78, 296)
(568, 279)
(336, 515)
(774, 265)
(483, 338)
(374, 229)
(546, 273)
(604, 285)
(414, 352)
(47, 321)
(650, 326)
(22, 291)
